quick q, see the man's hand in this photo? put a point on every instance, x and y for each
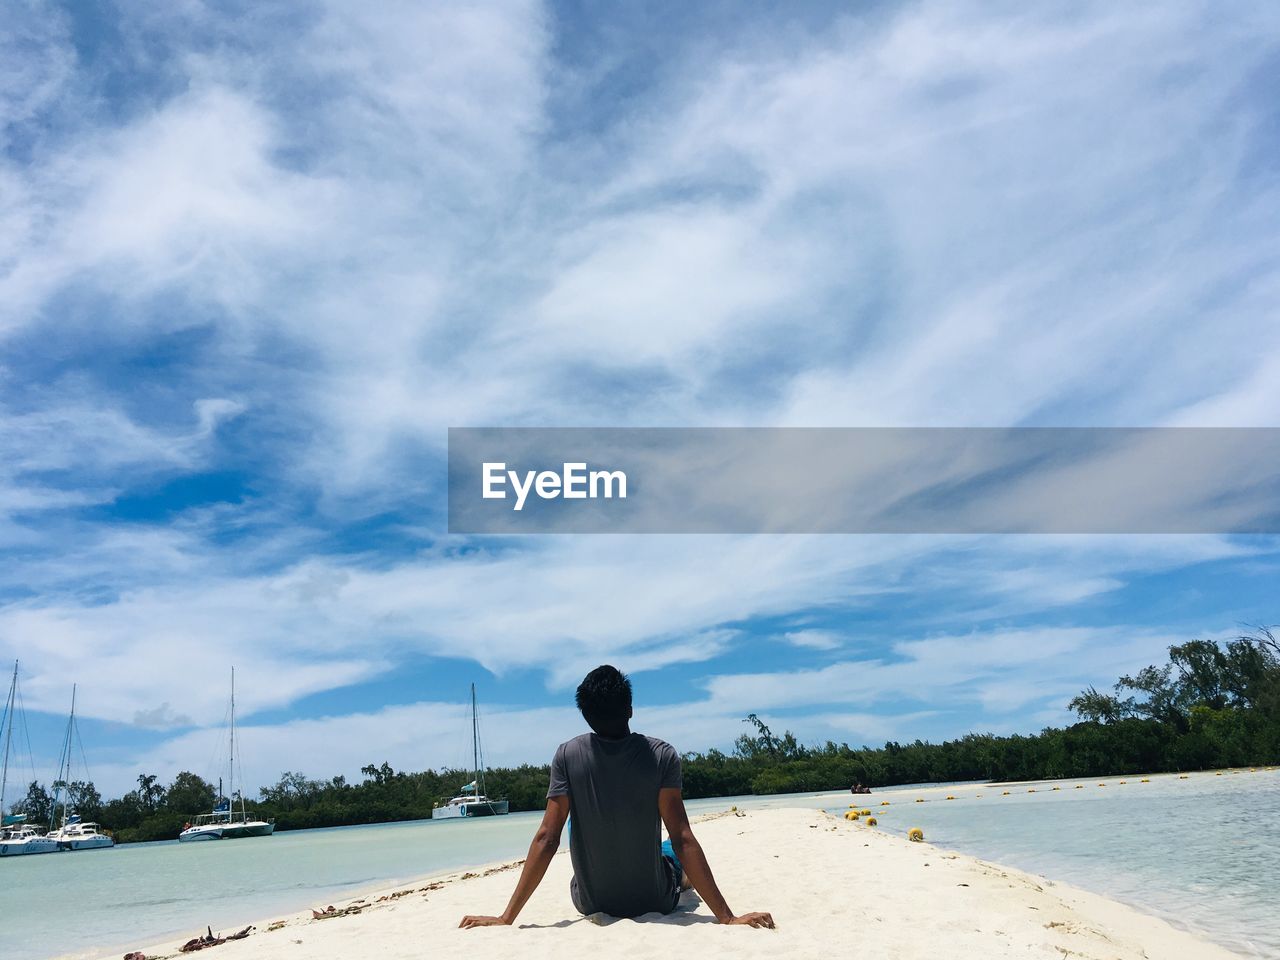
(469, 922)
(541, 851)
(751, 920)
(694, 862)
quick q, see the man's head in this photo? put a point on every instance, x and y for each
(604, 697)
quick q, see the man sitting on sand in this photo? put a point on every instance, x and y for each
(617, 784)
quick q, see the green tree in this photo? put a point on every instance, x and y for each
(380, 775)
(190, 794)
(1100, 707)
(37, 804)
(754, 748)
(85, 799)
(150, 793)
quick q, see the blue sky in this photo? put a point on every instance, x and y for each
(255, 259)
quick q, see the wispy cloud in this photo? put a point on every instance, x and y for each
(814, 639)
(1002, 670)
(294, 264)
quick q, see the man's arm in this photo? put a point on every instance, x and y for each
(694, 861)
(543, 848)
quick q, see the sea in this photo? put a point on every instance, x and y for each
(1202, 852)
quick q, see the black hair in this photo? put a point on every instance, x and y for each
(604, 697)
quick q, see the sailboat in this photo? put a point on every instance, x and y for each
(471, 800)
(17, 837)
(224, 823)
(73, 833)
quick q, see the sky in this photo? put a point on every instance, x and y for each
(257, 258)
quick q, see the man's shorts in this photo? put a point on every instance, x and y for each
(669, 855)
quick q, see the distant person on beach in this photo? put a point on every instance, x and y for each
(618, 784)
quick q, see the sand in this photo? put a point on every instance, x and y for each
(835, 889)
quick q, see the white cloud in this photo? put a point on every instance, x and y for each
(561, 609)
(814, 639)
(1000, 673)
(1000, 670)
(80, 454)
(161, 717)
(935, 216)
(327, 746)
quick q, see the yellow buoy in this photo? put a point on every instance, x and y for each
(1146, 781)
(915, 834)
(920, 800)
(950, 798)
(1079, 786)
(1032, 790)
(1057, 788)
(865, 813)
(1102, 784)
(884, 803)
(1005, 794)
(1123, 782)
(871, 821)
(851, 815)
(1184, 777)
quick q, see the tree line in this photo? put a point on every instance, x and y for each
(1212, 704)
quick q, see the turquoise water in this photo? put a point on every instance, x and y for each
(1201, 852)
(136, 894)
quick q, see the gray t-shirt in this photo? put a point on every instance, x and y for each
(615, 830)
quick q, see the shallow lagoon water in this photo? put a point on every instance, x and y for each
(1201, 852)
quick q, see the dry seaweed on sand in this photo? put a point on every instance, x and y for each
(209, 940)
(332, 911)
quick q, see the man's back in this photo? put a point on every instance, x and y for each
(617, 788)
(613, 787)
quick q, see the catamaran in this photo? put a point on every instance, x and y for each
(73, 833)
(21, 838)
(77, 834)
(471, 800)
(224, 823)
(17, 837)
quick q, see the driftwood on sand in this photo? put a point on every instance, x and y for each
(209, 940)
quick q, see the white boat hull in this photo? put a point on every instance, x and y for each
(227, 831)
(81, 836)
(475, 808)
(99, 842)
(28, 846)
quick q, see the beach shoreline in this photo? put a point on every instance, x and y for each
(831, 884)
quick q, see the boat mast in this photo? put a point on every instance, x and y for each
(8, 736)
(63, 792)
(231, 753)
(475, 745)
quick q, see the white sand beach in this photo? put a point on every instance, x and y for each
(835, 888)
